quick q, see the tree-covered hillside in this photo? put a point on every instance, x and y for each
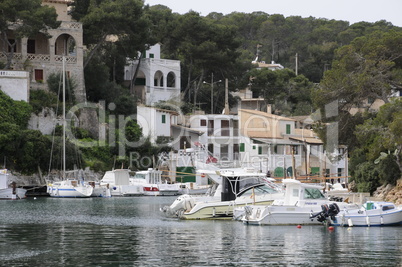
(350, 65)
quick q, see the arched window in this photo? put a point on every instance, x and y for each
(65, 45)
(158, 79)
(171, 80)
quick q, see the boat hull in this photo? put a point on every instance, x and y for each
(368, 218)
(70, 192)
(220, 210)
(12, 194)
(126, 190)
(281, 215)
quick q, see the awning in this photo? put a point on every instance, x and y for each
(308, 140)
(276, 141)
(187, 129)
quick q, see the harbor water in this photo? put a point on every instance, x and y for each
(133, 232)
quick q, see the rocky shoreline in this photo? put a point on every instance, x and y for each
(390, 193)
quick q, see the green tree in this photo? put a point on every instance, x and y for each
(283, 89)
(119, 21)
(380, 141)
(203, 47)
(23, 18)
(15, 112)
(370, 67)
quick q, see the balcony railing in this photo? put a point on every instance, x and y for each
(38, 58)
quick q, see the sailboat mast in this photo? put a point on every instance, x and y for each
(64, 117)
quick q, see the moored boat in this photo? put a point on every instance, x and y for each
(9, 192)
(151, 181)
(69, 188)
(371, 213)
(118, 181)
(238, 187)
(299, 203)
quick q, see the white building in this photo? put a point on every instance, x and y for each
(156, 123)
(45, 54)
(157, 79)
(15, 84)
(273, 143)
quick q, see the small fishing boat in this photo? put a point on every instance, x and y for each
(7, 192)
(371, 213)
(300, 202)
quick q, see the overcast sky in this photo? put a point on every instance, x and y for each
(348, 10)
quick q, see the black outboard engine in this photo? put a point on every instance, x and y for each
(327, 211)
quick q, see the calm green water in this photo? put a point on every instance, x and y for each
(132, 232)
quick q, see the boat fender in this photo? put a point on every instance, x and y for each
(368, 221)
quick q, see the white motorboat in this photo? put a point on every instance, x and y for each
(151, 181)
(299, 203)
(100, 190)
(237, 187)
(7, 192)
(69, 188)
(372, 213)
(119, 183)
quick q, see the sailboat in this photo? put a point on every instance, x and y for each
(72, 187)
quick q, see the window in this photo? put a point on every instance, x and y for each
(210, 127)
(185, 142)
(31, 47)
(151, 55)
(163, 118)
(235, 151)
(203, 122)
(211, 148)
(287, 128)
(225, 152)
(313, 193)
(235, 128)
(171, 80)
(225, 128)
(38, 75)
(241, 147)
(259, 150)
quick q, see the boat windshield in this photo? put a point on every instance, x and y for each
(312, 193)
(139, 176)
(259, 190)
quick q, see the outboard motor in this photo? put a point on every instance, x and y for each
(327, 211)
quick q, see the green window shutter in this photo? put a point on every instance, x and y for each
(241, 147)
(259, 150)
(287, 128)
(163, 118)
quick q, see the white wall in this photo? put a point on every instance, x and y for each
(15, 84)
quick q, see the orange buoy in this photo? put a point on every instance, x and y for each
(331, 228)
(299, 226)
